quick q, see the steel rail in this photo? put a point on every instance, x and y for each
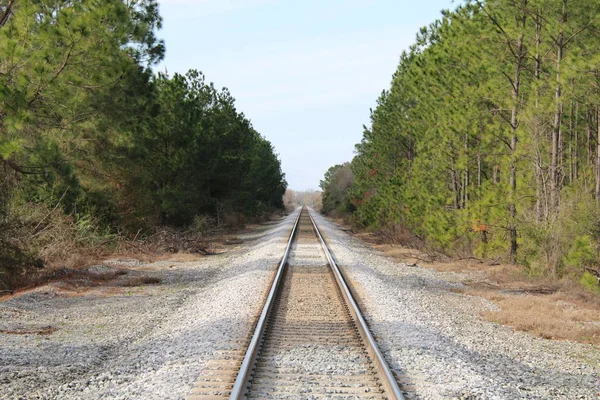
(239, 387)
(389, 382)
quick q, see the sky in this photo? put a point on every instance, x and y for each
(305, 72)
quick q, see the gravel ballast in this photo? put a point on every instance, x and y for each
(141, 341)
(152, 341)
(311, 349)
(439, 345)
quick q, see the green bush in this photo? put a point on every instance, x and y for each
(590, 282)
(15, 259)
(203, 223)
(582, 253)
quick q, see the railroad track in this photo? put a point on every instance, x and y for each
(311, 342)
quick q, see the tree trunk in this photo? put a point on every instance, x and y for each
(576, 144)
(514, 123)
(478, 170)
(466, 173)
(571, 161)
(598, 154)
(588, 132)
(455, 186)
(537, 131)
(496, 173)
(540, 187)
(556, 128)
(6, 12)
(538, 62)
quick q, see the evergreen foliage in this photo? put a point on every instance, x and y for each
(87, 128)
(487, 141)
(336, 190)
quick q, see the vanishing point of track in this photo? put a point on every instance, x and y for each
(311, 341)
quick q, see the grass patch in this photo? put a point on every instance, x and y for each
(549, 316)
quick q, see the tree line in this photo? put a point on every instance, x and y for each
(88, 130)
(488, 140)
(336, 186)
(293, 199)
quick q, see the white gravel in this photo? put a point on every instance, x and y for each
(441, 347)
(153, 341)
(143, 342)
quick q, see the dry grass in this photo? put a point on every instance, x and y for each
(400, 235)
(166, 240)
(73, 283)
(73, 279)
(547, 316)
(65, 252)
(66, 259)
(407, 255)
(544, 307)
(397, 243)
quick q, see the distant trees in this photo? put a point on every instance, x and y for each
(88, 131)
(336, 185)
(310, 198)
(198, 155)
(488, 140)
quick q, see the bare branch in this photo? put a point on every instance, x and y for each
(7, 12)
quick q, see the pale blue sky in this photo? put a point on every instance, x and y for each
(305, 72)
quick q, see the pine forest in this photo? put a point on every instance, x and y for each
(487, 143)
(95, 146)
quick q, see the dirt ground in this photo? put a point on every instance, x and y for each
(547, 308)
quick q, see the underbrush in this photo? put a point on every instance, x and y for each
(575, 262)
(591, 283)
(39, 240)
(165, 240)
(399, 234)
(38, 243)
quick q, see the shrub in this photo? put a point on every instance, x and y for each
(582, 253)
(590, 282)
(203, 223)
(234, 220)
(15, 259)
